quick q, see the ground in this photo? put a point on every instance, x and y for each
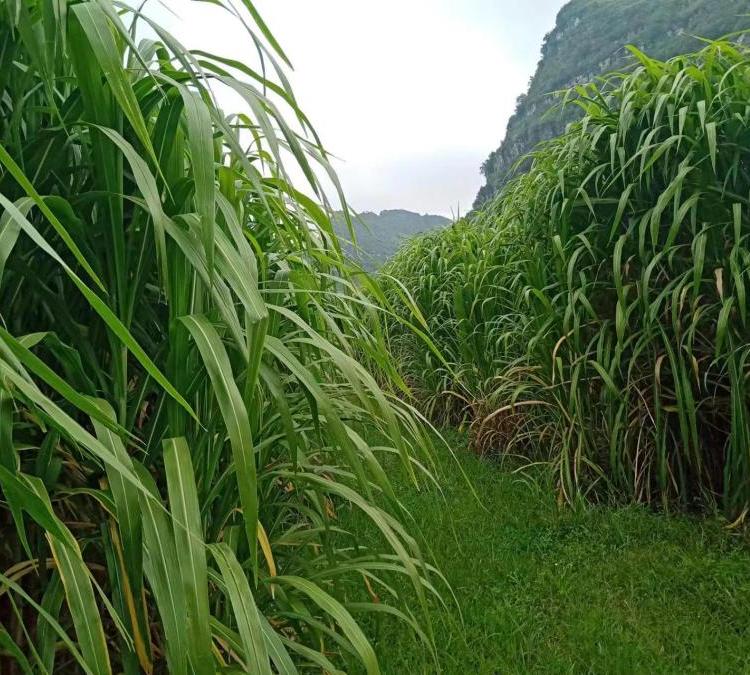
(545, 589)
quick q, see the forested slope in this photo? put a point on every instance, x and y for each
(380, 234)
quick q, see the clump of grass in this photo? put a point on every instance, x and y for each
(446, 283)
(605, 329)
(181, 377)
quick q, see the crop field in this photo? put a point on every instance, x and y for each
(218, 432)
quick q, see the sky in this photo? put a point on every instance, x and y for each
(411, 96)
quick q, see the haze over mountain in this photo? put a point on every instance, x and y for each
(589, 39)
(380, 234)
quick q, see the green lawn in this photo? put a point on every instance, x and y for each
(544, 589)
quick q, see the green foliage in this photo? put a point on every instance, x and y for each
(605, 328)
(183, 359)
(448, 280)
(586, 42)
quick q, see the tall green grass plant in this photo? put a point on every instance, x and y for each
(595, 315)
(182, 388)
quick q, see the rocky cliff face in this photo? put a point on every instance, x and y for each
(589, 39)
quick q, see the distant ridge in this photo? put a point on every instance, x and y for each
(380, 234)
(588, 40)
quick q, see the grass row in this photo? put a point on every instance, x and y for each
(595, 315)
(183, 354)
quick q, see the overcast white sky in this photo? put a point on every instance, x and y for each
(412, 95)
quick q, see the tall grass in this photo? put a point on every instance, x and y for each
(450, 283)
(596, 314)
(182, 388)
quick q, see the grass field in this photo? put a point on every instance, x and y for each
(599, 590)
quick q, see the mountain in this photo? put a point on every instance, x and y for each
(380, 234)
(589, 39)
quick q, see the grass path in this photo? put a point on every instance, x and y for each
(546, 590)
